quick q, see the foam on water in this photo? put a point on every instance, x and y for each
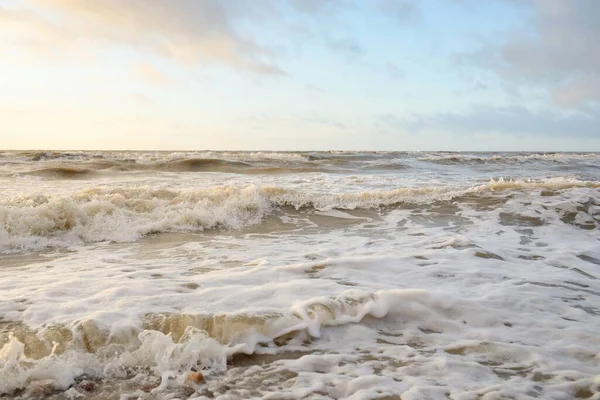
(125, 214)
(431, 284)
(421, 343)
(508, 158)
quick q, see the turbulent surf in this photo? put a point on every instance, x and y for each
(299, 274)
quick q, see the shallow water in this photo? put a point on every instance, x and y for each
(300, 275)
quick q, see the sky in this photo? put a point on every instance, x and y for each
(488, 75)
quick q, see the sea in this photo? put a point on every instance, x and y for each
(299, 275)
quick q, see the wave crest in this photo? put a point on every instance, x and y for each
(62, 172)
(126, 214)
(172, 343)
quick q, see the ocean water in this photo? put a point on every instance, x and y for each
(300, 275)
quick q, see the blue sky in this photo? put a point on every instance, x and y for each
(300, 74)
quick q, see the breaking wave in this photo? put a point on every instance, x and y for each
(90, 169)
(219, 165)
(126, 214)
(79, 165)
(470, 159)
(174, 344)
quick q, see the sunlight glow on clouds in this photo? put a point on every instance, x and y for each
(185, 31)
(271, 74)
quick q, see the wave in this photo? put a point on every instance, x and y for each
(347, 157)
(386, 167)
(57, 155)
(126, 214)
(457, 159)
(89, 169)
(157, 156)
(246, 155)
(79, 165)
(78, 170)
(145, 157)
(62, 172)
(201, 164)
(220, 165)
(180, 342)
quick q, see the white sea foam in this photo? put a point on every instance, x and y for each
(429, 284)
(476, 158)
(150, 158)
(505, 326)
(126, 214)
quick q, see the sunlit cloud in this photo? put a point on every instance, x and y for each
(150, 73)
(339, 69)
(183, 31)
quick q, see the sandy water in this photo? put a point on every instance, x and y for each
(300, 275)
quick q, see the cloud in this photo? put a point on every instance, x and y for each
(514, 120)
(29, 31)
(555, 50)
(315, 89)
(401, 11)
(316, 6)
(184, 31)
(577, 92)
(394, 72)
(310, 117)
(348, 46)
(141, 99)
(150, 73)
(391, 120)
(320, 119)
(187, 32)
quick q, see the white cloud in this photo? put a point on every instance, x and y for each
(347, 45)
(514, 120)
(402, 11)
(184, 31)
(150, 73)
(394, 72)
(578, 91)
(555, 50)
